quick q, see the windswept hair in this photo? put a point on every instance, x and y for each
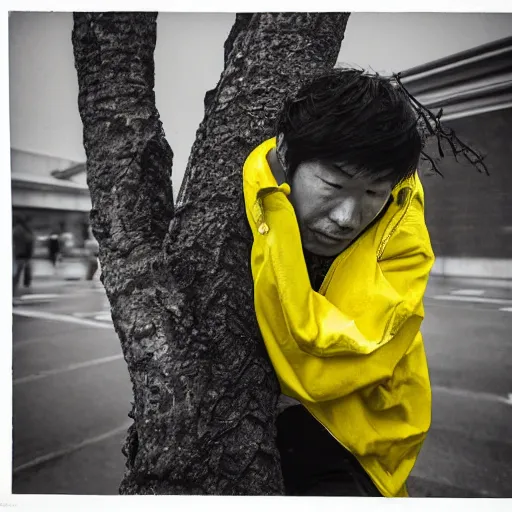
(365, 120)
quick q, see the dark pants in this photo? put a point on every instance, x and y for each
(23, 266)
(54, 257)
(314, 463)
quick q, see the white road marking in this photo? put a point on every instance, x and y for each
(509, 310)
(39, 296)
(486, 300)
(28, 297)
(101, 316)
(475, 395)
(70, 449)
(45, 315)
(104, 317)
(69, 368)
(86, 314)
(54, 284)
(467, 291)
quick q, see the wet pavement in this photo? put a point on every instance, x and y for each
(71, 392)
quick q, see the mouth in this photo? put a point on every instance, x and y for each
(325, 238)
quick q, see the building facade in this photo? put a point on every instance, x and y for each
(469, 214)
(51, 194)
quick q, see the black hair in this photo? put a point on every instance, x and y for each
(368, 121)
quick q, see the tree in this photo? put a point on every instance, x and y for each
(178, 277)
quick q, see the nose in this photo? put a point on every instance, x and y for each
(347, 215)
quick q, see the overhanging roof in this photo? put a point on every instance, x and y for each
(467, 83)
(66, 174)
(48, 183)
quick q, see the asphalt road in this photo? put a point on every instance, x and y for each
(71, 392)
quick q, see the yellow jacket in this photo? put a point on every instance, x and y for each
(351, 353)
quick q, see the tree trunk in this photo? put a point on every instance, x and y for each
(178, 280)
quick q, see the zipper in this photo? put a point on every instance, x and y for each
(403, 200)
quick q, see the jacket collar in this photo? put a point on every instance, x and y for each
(259, 181)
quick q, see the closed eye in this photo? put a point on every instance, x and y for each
(335, 185)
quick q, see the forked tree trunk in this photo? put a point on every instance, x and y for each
(178, 279)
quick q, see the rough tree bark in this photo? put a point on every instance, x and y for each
(178, 279)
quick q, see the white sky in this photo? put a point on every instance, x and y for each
(43, 88)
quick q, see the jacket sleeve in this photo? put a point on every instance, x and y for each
(323, 348)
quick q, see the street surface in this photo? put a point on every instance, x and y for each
(71, 391)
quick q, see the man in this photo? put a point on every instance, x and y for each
(54, 247)
(338, 188)
(23, 250)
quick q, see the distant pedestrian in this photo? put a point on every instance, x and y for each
(54, 248)
(23, 250)
(92, 252)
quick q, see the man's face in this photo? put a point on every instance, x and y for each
(333, 206)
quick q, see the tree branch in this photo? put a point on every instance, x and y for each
(127, 154)
(239, 29)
